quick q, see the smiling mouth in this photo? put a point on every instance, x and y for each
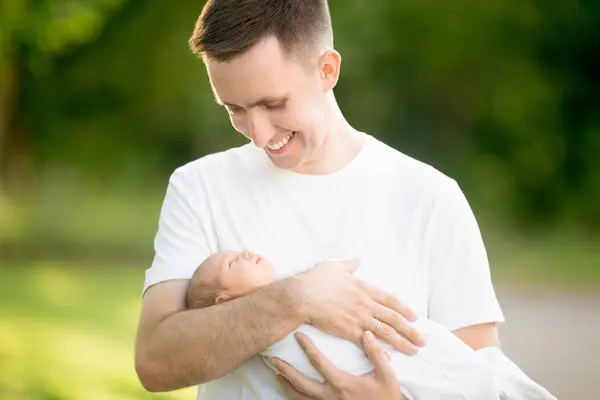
(280, 147)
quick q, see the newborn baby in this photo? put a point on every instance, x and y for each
(445, 368)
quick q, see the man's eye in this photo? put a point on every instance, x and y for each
(274, 106)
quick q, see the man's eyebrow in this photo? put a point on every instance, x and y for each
(260, 102)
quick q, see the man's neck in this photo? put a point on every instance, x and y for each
(341, 146)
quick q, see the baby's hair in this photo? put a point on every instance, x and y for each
(201, 291)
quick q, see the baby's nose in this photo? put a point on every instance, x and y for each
(248, 253)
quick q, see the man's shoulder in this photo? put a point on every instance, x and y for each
(220, 163)
(410, 172)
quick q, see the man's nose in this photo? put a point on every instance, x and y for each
(260, 130)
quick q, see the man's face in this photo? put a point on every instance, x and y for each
(277, 102)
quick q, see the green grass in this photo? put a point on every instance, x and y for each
(69, 333)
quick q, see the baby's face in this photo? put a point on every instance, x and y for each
(241, 272)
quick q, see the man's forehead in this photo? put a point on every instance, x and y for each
(253, 76)
(266, 100)
(248, 93)
(259, 61)
(267, 51)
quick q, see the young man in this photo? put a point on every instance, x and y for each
(308, 188)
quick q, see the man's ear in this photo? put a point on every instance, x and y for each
(329, 68)
(222, 297)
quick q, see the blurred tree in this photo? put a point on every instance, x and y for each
(133, 106)
(32, 35)
(502, 95)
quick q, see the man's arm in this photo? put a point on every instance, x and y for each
(479, 336)
(177, 348)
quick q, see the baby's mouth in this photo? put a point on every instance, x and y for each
(258, 259)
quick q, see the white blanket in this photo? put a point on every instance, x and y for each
(445, 368)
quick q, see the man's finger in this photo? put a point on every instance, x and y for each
(398, 323)
(383, 370)
(302, 384)
(291, 390)
(390, 301)
(399, 342)
(325, 367)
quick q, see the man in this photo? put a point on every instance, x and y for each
(309, 188)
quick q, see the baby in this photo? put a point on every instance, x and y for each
(445, 368)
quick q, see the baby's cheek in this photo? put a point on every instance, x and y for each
(262, 277)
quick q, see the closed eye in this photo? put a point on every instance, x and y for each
(275, 106)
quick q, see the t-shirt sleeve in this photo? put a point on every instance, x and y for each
(181, 243)
(461, 293)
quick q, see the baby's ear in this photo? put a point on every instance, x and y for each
(222, 297)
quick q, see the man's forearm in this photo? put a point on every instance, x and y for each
(195, 346)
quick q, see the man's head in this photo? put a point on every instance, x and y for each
(272, 65)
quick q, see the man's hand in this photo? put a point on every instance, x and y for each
(340, 304)
(380, 384)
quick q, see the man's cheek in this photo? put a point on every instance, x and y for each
(287, 122)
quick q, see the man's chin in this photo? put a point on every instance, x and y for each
(286, 163)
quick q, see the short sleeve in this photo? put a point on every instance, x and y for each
(461, 293)
(181, 243)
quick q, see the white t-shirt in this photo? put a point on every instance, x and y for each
(410, 225)
(445, 368)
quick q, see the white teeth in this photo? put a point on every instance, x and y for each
(280, 144)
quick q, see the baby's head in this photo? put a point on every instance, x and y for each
(227, 275)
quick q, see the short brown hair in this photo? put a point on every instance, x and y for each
(228, 28)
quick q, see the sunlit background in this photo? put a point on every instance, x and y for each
(100, 100)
